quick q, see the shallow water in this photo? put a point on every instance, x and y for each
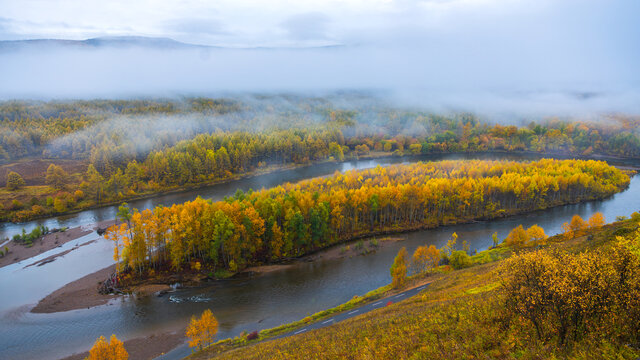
(243, 304)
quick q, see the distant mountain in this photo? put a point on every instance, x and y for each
(99, 42)
(122, 42)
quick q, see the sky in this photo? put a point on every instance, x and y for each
(460, 52)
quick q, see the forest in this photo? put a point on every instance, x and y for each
(294, 219)
(108, 151)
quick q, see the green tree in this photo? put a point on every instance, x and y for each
(56, 176)
(14, 181)
(94, 183)
(495, 239)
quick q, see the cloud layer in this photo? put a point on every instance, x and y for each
(545, 54)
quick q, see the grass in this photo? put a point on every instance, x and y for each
(459, 316)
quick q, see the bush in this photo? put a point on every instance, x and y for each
(14, 181)
(460, 259)
(569, 296)
(252, 335)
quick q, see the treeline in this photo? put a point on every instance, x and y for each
(31, 128)
(126, 130)
(294, 219)
(141, 147)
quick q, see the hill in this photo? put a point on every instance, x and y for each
(467, 314)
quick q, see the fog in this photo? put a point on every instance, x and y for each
(550, 58)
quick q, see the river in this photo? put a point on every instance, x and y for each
(242, 304)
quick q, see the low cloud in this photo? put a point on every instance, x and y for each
(522, 57)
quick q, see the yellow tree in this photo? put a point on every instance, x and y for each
(108, 350)
(419, 260)
(577, 223)
(116, 234)
(596, 220)
(399, 268)
(517, 237)
(425, 258)
(536, 234)
(202, 331)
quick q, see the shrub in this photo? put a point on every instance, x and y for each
(460, 259)
(568, 295)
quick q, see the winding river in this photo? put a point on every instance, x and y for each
(240, 304)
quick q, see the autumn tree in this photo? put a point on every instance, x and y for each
(577, 223)
(572, 228)
(536, 234)
(203, 330)
(56, 176)
(14, 181)
(567, 295)
(399, 268)
(425, 258)
(117, 234)
(596, 220)
(517, 237)
(108, 350)
(451, 245)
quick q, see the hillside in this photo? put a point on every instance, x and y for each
(464, 314)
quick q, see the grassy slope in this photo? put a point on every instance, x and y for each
(460, 316)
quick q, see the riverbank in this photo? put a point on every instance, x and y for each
(79, 294)
(83, 293)
(18, 252)
(145, 348)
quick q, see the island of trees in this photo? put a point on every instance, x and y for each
(294, 219)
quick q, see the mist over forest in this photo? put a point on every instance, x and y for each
(513, 59)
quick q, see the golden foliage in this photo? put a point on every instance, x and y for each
(294, 219)
(425, 258)
(108, 350)
(569, 295)
(399, 268)
(201, 331)
(596, 220)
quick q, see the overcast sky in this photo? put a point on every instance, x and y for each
(316, 22)
(463, 50)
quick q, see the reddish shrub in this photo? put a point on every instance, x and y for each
(253, 335)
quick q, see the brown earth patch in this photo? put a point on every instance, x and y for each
(77, 294)
(33, 170)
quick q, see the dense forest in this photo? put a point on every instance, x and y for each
(294, 219)
(108, 151)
